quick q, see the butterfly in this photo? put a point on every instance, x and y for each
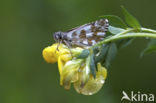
(85, 35)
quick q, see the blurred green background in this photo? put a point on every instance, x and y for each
(26, 27)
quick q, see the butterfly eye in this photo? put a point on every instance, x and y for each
(56, 36)
(60, 36)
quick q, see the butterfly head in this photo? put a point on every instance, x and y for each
(58, 36)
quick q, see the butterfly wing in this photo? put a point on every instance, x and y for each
(88, 34)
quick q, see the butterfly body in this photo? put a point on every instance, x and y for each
(85, 35)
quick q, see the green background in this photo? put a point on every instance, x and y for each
(26, 27)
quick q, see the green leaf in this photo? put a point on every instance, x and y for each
(130, 20)
(95, 50)
(115, 21)
(124, 43)
(84, 54)
(112, 51)
(115, 30)
(102, 54)
(92, 66)
(151, 47)
(127, 42)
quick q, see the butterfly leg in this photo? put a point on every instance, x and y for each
(59, 42)
(69, 46)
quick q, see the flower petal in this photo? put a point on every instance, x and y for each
(60, 49)
(93, 85)
(70, 73)
(66, 57)
(61, 64)
(49, 55)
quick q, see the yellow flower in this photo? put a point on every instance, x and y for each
(51, 54)
(62, 55)
(73, 70)
(70, 73)
(93, 85)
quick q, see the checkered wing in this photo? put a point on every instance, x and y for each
(88, 34)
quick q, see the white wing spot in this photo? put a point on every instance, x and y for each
(69, 35)
(87, 28)
(89, 35)
(93, 42)
(100, 34)
(85, 42)
(106, 20)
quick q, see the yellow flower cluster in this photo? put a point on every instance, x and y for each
(73, 70)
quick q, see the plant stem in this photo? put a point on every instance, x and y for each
(148, 30)
(124, 32)
(144, 33)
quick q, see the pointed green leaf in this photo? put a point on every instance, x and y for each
(95, 50)
(130, 20)
(84, 54)
(151, 47)
(124, 43)
(102, 53)
(112, 51)
(92, 66)
(115, 21)
(115, 30)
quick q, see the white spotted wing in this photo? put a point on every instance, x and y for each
(88, 34)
